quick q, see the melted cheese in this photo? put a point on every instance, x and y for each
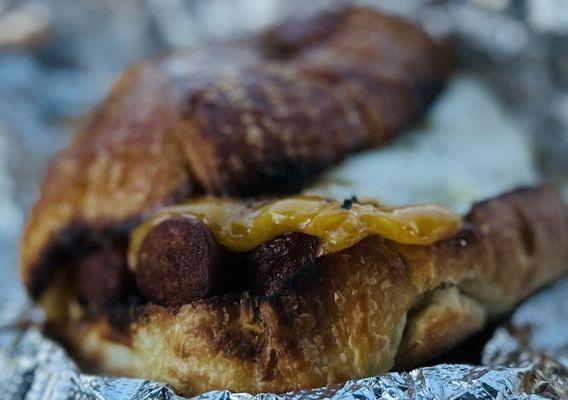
(240, 227)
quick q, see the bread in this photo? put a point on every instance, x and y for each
(356, 313)
(288, 311)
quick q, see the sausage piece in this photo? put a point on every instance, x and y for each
(102, 276)
(271, 263)
(179, 261)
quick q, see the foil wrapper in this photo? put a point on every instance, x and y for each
(56, 64)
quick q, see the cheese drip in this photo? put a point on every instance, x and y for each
(240, 226)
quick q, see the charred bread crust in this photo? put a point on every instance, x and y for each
(359, 312)
(240, 119)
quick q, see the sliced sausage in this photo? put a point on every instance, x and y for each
(271, 263)
(179, 262)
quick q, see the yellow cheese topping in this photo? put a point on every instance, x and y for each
(241, 226)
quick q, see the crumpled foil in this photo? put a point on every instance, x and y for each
(58, 59)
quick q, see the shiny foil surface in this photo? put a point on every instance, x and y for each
(55, 65)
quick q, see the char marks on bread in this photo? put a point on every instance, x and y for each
(359, 312)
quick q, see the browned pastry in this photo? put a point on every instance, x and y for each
(370, 60)
(376, 305)
(271, 263)
(283, 312)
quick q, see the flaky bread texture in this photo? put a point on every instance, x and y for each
(235, 118)
(360, 312)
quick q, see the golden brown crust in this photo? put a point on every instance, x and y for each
(444, 318)
(355, 313)
(231, 119)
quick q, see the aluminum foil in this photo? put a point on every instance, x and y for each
(56, 63)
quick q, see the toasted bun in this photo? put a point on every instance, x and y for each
(356, 313)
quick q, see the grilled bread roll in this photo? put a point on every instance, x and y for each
(361, 311)
(162, 245)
